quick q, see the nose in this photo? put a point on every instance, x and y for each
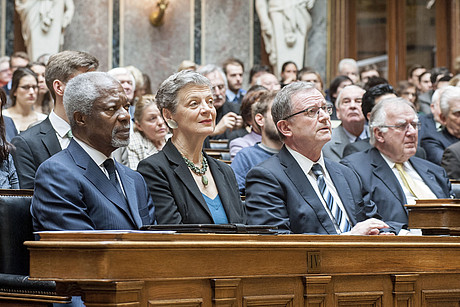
(123, 114)
(323, 114)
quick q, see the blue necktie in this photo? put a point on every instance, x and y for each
(340, 218)
(110, 167)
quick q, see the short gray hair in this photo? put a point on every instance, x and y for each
(210, 68)
(84, 90)
(450, 92)
(282, 105)
(168, 92)
(119, 71)
(378, 115)
(338, 101)
(348, 61)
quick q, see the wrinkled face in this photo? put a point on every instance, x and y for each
(234, 77)
(425, 83)
(195, 112)
(313, 78)
(40, 71)
(107, 127)
(398, 143)
(152, 124)
(452, 120)
(290, 72)
(365, 75)
(349, 109)
(5, 72)
(218, 88)
(351, 72)
(26, 93)
(410, 94)
(270, 82)
(127, 83)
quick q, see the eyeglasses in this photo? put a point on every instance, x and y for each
(312, 111)
(404, 126)
(28, 87)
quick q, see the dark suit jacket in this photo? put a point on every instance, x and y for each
(72, 193)
(10, 128)
(278, 193)
(224, 109)
(383, 187)
(34, 146)
(451, 161)
(435, 142)
(178, 199)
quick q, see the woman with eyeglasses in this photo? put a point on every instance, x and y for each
(23, 94)
(8, 175)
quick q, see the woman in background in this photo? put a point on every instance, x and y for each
(23, 94)
(44, 103)
(150, 131)
(8, 176)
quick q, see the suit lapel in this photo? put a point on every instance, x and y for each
(306, 191)
(340, 140)
(131, 196)
(94, 174)
(183, 173)
(428, 177)
(49, 138)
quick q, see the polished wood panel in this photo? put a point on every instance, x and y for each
(168, 269)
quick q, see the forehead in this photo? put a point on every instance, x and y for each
(454, 104)
(268, 78)
(215, 78)
(307, 98)
(123, 77)
(27, 79)
(290, 67)
(233, 68)
(400, 112)
(426, 77)
(352, 92)
(193, 91)
(309, 76)
(38, 68)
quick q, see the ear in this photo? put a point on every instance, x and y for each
(284, 127)
(166, 114)
(138, 126)
(442, 118)
(58, 87)
(378, 135)
(338, 114)
(368, 116)
(80, 119)
(259, 119)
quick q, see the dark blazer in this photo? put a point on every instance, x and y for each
(10, 128)
(451, 161)
(178, 199)
(334, 148)
(435, 142)
(278, 193)
(383, 187)
(72, 193)
(34, 146)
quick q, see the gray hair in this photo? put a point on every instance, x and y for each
(378, 115)
(168, 92)
(210, 68)
(347, 61)
(5, 59)
(338, 101)
(282, 104)
(84, 90)
(119, 71)
(450, 93)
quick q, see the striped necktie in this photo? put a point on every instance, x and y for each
(339, 217)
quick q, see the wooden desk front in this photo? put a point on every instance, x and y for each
(151, 269)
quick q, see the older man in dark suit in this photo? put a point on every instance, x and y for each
(390, 173)
(297, 189)
(43, 140)
(82, 187)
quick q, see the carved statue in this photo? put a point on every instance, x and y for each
(285, 25)
(43, 24)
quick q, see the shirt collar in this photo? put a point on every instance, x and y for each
(59, 125)
(305, 163)
(97, 156)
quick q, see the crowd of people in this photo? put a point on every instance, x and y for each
(103, 151)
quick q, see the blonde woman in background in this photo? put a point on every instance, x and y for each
(150, 131)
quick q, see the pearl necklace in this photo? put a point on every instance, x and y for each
(199, 171)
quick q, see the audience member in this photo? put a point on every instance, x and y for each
(247, 113)
(431, 123)
(424, 92)
(348, 67)
(5, 71)
(127, 81)
(414, 73)
(390, 173)
(337, 84)
(288, 73)
(255, 73)
(188, 186)
(287, 189)
(352, 128)
(18, 59)
(41, 141)
(374, 81)
(269, 81)
(8, 175)
(23, 94)
(82, 187)
(234, 69)
(368, 71)
(436, 142)
(451, 161)
(308, 74)
(227, 118)
(408, 91)
(187, 65)
(44, 103)
(138, 82)
(270, 143)
(149, 135)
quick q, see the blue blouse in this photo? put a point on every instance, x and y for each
(217, 209)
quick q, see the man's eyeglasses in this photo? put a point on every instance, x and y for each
(312, 111)
(28, 87)
(404, 126)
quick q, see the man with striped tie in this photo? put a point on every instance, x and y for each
(297, 189)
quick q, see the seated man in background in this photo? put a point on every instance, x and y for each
(451, 161)
(352, 128)
(297, 189)
(390, 173)
(82, 187)
(435, 142)
(271, 143)
(234, 69)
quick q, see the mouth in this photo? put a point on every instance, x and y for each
(206, 121)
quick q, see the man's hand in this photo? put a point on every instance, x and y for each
(229, 121)
(369, 227)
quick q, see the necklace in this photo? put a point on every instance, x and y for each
(199, 171)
